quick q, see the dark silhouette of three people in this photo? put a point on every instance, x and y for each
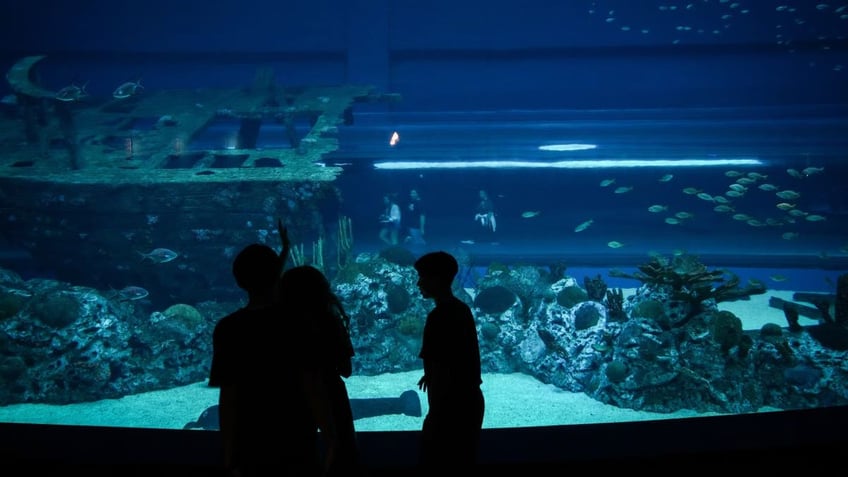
(280, 361)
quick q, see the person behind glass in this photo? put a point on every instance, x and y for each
(417, 219)
(246, 351)
(308, 301)
(486, 213)
(390, 220)
(451, 431)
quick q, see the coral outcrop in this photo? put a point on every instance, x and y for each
(688, 280)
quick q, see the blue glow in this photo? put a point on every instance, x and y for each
(573, 164)
(567, 147)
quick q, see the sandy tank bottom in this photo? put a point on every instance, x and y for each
(507, 396)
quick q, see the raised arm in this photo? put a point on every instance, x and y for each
(284, 239)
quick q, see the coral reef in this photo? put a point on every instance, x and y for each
(571, 296)
(55, 309)
(615, 305)
(494, 300)
(596, 288)
(690, 281)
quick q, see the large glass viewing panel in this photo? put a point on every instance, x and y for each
(647, 200)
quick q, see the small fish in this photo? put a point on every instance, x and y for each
(785, 206)
(815, 218)
(467, 242)
(159, 255)
(767, 187)
(691, 191)
(585, 225)
(530, 214)
(657, 208)
(127, 89)
(734, 193)
(732, 173)
(71, 93)
(738, 187)
(795, 173)
(704, 196)
(777, 278)
(666, 178)
(788, 194)
(789, 235)
(623, 189)
(672, 220)
(723, 208)
(131, 293)
(614, 244)
(607, 182)
(812, 170)
(684, 215)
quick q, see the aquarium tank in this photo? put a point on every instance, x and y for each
(648, 200)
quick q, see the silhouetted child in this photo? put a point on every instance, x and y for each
(451, 432)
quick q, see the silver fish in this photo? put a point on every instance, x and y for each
(131, 293)
(127, 89)
(71, 93)
(159, 255)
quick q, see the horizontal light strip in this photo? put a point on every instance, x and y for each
(567, 147)
(574, 164)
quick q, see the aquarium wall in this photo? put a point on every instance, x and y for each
(645, 198)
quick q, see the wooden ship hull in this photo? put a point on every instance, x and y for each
(87, 184)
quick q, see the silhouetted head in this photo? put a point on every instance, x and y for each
(304, 283)
(256, 268)
(440, 267)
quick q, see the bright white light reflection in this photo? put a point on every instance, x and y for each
(590, 164)
(567, 147)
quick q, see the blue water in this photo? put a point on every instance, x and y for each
(564, 197)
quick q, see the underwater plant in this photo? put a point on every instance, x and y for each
(690, 281)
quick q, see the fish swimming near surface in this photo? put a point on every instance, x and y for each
(583, 226)
(159, 255)
(127, 90)
(666, 178)
(71, 93)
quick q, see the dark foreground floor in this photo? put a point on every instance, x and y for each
(797, 441)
